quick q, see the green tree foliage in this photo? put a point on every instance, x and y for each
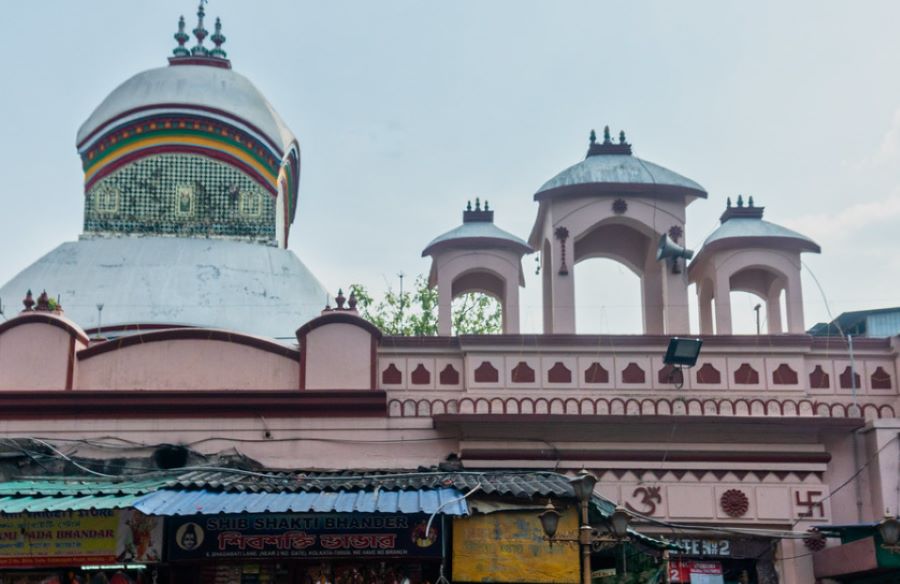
(415, 312)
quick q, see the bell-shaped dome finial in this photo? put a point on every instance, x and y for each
(218, 39)
(182, 37)
(200, 33)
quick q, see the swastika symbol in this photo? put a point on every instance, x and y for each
(814, 507)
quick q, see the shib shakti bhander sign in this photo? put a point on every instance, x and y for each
(284, 535)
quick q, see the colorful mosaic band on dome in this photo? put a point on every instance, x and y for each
(196, 134)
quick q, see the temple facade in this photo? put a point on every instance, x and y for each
(160, 334)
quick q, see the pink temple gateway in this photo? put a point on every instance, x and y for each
(164, 385)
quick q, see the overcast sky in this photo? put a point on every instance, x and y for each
(405, 109)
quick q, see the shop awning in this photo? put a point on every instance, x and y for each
(448, 501)
(39, 495)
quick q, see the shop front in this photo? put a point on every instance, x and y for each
(118, 546)
(305, 548)
(712, 560)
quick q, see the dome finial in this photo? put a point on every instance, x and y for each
(750, 201)
(740, 201)
(219, 39)
(200, 32)
(182, 37)
(728, 203)
(622, 137)
(606, 138)
(593, 137)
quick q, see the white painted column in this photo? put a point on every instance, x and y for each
(723, 304)
(511, 304)
(445, 305)
(705, 294)
(793, 560)
(773, 311)
(675, 299)
(794, 300)
(652, 296)
(563, 288)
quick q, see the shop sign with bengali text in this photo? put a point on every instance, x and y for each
(68, 538)
(694, 571)
(510, 547)
(307, 535)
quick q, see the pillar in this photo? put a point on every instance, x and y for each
(445, 306)
(794, 300)
(510, 306)
(563, 287)
(773, 311)
(722, 295)
(793, 560)
(705, 296)
(675, 299)
(652, 296)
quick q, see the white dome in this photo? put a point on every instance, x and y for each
(217, 89)
(245, 287)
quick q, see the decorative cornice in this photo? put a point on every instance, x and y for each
(44, 318)
(193, 334)
(189, 404)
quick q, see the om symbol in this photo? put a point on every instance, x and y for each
(650, 496)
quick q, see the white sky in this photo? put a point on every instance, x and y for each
(405, 109)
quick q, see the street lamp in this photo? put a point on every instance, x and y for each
(889, 530)
(617, 523)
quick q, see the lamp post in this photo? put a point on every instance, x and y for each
(889, 530)
(617, 523)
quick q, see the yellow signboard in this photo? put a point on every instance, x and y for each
(510, 547)
(69, 538)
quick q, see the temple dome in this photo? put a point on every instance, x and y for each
(610, 168)
(191, 183)
(218, 90)
(477, 232)
(744, 226)
(154, 282)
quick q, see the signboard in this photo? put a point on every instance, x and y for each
(510, 547)
(695, 572)
(695, 547)
(71, 538)
(703, 547)
(308, 535)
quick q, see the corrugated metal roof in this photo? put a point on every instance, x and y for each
(522, 484)
(282, 491)
(448, 501)
(79, 487)
(39, 495)
(19, 504)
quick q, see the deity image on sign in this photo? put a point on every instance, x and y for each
(189, 536)
(184, 199)
(423, 539)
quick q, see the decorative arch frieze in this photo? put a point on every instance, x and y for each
(712, 407)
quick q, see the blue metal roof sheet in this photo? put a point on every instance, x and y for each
(448, 501)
